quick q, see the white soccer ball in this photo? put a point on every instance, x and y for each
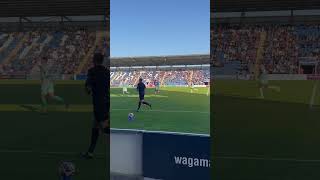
(130, 116)
(67, 169)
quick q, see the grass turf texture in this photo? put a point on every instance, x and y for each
(33, 145)
(175, 109)
(276, 138)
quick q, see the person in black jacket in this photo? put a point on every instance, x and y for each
(98, 85)
(141, 89)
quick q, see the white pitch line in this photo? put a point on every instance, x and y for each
(88, 109)
(201, 112)
(265, 159)
(160, 132)
(312, 99)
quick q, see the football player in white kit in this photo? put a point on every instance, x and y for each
(264, 82)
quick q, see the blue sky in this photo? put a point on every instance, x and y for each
(159, 27)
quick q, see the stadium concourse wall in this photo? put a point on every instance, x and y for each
(155, 155)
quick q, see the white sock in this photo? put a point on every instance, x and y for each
(261, 92)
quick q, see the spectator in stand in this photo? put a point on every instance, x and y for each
(179, 77)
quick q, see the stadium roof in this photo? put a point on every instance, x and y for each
(262, 5)
(161, 60)
(32, 8)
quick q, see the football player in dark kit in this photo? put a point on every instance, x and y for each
(141, 89)
(97, 84)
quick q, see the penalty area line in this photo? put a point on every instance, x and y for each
(79, 108)
(37, 108)
(169, 111)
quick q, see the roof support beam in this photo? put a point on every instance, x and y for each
(25, 19)
(65, 18)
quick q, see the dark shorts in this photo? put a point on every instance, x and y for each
(141, 96)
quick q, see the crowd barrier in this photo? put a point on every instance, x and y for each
(157, 155)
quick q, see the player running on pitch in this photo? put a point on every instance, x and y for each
(192, 87)
(264, 82)
(47, 86)
(124, 87)
(97, 85)
(141, 89)
(157, 87)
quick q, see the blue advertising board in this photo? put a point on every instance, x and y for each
(176, 156)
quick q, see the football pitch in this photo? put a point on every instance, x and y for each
(174, 109)
(32, 145)
(275, 138)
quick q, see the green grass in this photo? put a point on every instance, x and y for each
(265, 139)
(32, 145)
(174, 109)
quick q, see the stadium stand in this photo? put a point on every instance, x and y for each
(167, 77)
(283, 35)
(160, 61)
(66, 49)
(65, 31)
(169, 70)
(281, 46)
(68, 32)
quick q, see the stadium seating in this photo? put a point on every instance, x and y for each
(235, 46)
(282, 48)
(167, 77)
(70, 51)
(9, 43)
(66, 49)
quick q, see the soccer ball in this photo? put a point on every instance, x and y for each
(130, 116)
(67, 169)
